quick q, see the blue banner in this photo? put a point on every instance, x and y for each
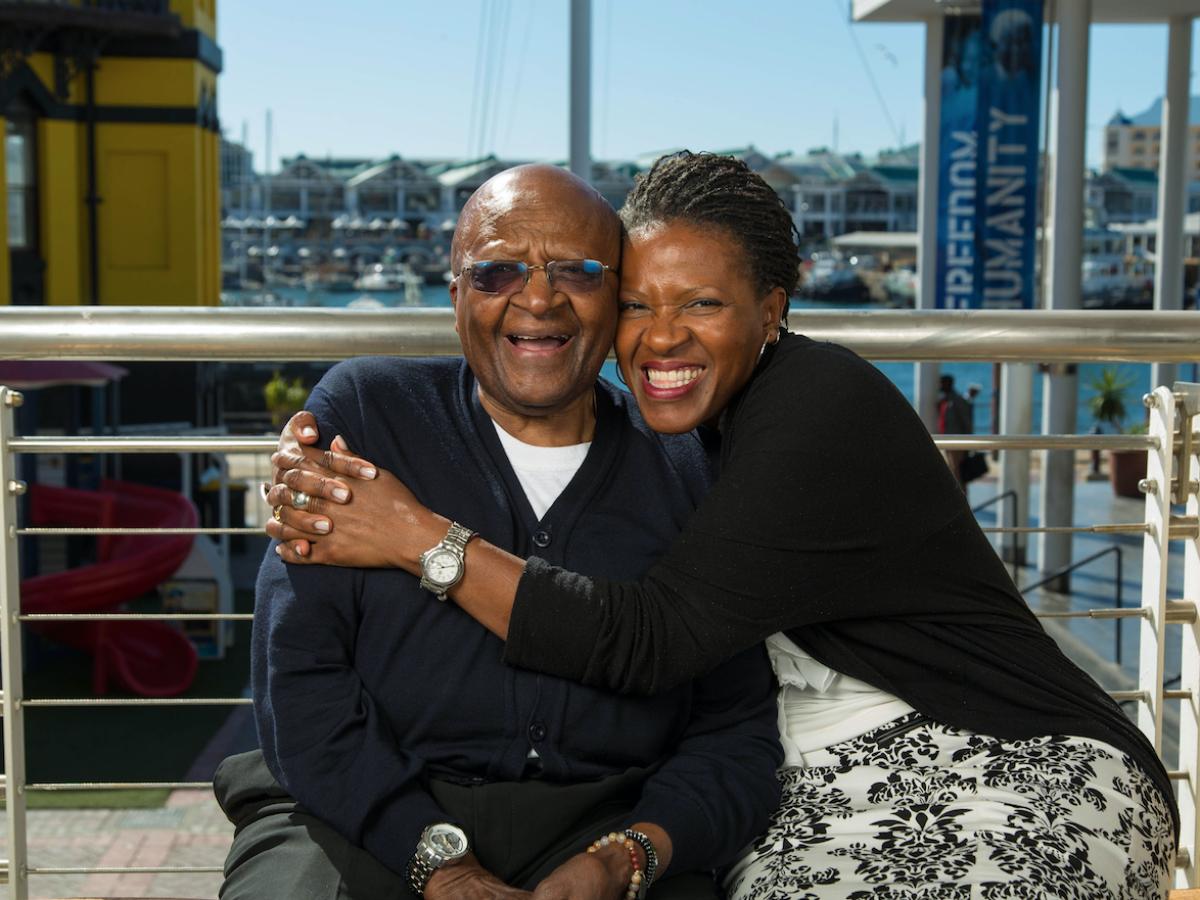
(988, 157)
(958, 158)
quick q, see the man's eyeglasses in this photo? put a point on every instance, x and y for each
(507, 276)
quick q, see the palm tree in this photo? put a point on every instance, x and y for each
(1107, 404)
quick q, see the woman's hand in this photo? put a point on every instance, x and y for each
(296, 451)
(329, 476)
(384, 526)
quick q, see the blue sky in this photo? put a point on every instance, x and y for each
(375, 77)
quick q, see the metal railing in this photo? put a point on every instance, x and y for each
(244, 335)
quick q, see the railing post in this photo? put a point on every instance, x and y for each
(1189, 675)
(11, 662)
(1159, 466)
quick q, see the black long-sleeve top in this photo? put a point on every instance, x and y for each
(835, 520)
(365, 686)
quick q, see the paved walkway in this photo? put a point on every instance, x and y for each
(190, 830)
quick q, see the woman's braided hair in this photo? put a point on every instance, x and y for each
(711, 191)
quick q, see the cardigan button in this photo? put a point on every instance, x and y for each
(541, 540)
(537, 732)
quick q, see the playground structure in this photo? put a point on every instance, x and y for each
(150, 659)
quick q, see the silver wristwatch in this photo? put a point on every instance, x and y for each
(440, 845)
(443, 564)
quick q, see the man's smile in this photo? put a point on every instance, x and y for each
(538, 344)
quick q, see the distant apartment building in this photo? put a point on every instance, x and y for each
(237, 177)
(1134, 142)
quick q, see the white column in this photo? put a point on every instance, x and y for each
(581, 88)
(1016, 417)
(925, 381)
(1172, 187)
(1061, 389)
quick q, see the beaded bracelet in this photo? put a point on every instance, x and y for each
(631, 846)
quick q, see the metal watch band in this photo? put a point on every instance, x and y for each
(457, 537)
(419, 872)
(651, 857)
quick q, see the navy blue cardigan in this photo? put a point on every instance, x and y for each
(365, 685)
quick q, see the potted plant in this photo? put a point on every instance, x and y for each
(283, 398)
(1108, 406)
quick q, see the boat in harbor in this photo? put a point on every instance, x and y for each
(382, 278)
(330, 282)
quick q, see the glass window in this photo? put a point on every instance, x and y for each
(14, 157)
(19, 181)
(17, 226)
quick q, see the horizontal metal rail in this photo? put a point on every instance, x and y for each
(1115, 528)
(1132, 612)
(96, 532)
(135, 701)
(157, 444)
(50, 788)
(1044, 442)
(123, 870)
(136, 617)
(240, 335)
(264, 445)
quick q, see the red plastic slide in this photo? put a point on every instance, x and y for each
(151, 659)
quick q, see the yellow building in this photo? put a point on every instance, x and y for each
(111, 152)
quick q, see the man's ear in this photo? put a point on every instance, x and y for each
(454, 301)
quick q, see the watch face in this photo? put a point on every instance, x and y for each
(442, 567)
(447, 841)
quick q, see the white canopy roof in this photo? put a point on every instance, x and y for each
(1102, 10)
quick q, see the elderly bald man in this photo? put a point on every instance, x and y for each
(400, 757)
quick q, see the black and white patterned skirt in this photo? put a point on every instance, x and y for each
(915, 809)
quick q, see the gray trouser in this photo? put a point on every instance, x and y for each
(283, 852)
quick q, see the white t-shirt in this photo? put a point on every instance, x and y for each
(542, 471)
(819, 707)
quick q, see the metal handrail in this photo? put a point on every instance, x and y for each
(1068, 569)
(1010, 496)
(242, 335)
(108, 444)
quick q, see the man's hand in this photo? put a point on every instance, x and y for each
(468, 880)
(603, 875)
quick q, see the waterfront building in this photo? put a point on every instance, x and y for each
(1133, 142)
(614, 180)
(237, 178)
(111, 152)
(307, 191)
(395, 191)
(459, 180)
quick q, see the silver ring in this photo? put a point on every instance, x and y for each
(300, 500)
